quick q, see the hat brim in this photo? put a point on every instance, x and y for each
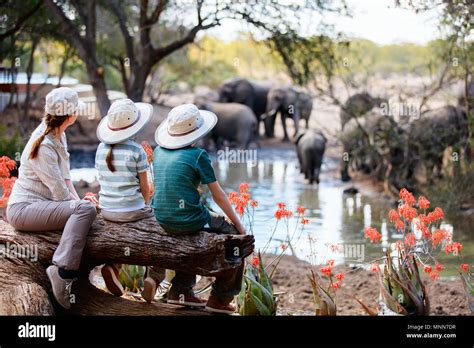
(108, 136)
(172, 142)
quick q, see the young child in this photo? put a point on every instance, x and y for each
(122, 165)
(179, 169)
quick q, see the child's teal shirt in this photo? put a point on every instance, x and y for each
(177, 175)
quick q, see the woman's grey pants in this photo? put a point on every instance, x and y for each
(73, 217)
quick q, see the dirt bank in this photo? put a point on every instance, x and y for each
(446, 297)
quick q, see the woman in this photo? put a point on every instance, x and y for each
(43, 197)
(122, 166)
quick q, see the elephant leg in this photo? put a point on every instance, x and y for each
(283, 123)
(307, 123)
(300, 161)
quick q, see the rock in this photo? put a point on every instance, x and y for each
(351, 191)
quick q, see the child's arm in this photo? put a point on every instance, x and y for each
(143, 179)
(219, 196)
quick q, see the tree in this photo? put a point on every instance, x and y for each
(83, 16)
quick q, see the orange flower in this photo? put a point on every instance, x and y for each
(427, 269)
(437, 214)
(439, 236)
(278, 214)
(410, 240)
(281, 205)
(439, 267)
(454, 248)
(399, 225)
(340, 276)
(374, 267)
(423, 203)
(6, 165)
(254, 261)
(372, 234)
(300, 210)
(423, 229)
(407, 196)
(393, 216)
(335, 286)
(326, 271)
(407, 212)
(399, 245)
(254, 203)
(233, 197)
(304, 221)
(464, 267)
(244, 188)
(330, 263)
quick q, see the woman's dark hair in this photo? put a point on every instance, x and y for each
(52, 123)
(109, 159)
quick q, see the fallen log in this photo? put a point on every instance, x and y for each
(26, 254)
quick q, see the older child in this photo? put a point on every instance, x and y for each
(122, 166)
(179, 168)
(43, 197)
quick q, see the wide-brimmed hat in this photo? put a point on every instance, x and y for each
(124, 120)
(64, 101)
(184, 125)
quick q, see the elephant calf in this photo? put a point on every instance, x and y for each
(310, 147)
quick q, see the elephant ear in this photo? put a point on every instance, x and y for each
(299, 136)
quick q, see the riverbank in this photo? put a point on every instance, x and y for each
(447, 297)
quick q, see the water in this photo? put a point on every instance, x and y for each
(336, 220)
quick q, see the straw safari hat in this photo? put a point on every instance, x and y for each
(184, 125)
(124, 120)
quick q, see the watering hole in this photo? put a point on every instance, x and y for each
(336, 220)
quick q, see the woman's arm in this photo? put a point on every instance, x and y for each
(72, 189)
(219, 196)
(143, 179)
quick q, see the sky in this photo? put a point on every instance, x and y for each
(376, 20)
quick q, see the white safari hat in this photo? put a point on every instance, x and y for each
(124, 120)
(64, 101)
(184, 125)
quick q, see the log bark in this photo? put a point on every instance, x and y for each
(25, 287)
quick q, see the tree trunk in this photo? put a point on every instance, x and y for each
(138, 81)
(96, 79)
(25, 286)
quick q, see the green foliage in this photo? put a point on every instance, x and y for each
(401, 287)
(132, 276)
(256, 296)
(10, 145)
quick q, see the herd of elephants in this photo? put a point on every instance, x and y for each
(373, 141)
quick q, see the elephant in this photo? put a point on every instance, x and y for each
(290, 103)
(432, 133)
(310, 147)
(243, 91)
(373, 142)
(236, 123)
(358, 105)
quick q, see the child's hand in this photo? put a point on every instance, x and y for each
(89, 196)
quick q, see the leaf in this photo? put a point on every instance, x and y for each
(263, 276)
(263, 310)
(261, 292)
(369, 310)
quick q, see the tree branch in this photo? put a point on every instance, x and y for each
(20, 21)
